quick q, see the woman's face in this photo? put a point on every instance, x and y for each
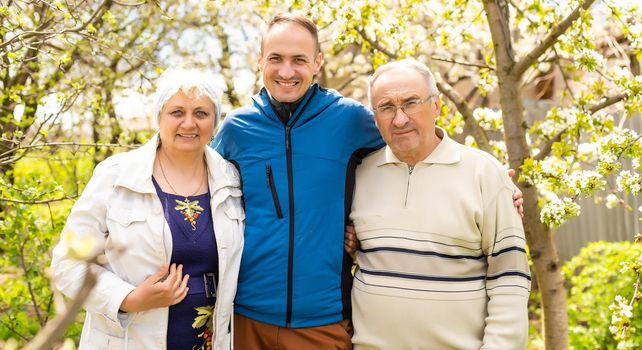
(187, 123)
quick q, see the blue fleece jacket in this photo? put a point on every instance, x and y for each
(297, 183)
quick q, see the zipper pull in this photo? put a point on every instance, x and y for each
(268, 173)
(287, 138)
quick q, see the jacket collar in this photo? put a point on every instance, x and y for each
(447, 152)
(139, 166)
(315, 100)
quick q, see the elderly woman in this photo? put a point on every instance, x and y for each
(168, 218)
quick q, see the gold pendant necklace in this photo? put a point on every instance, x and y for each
(190, 209)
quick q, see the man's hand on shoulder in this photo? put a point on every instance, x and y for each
(518, 196)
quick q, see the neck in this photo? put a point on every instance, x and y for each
(187, 164)
(412, 158)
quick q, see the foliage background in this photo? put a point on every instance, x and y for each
(545, 85)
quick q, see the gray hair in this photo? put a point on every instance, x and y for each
(405, 63)
(188, 80)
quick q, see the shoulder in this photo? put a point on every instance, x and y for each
(340, 101)
(240, 115)
(224, 168)
(371, 162)
(116, 162)
(486, 165)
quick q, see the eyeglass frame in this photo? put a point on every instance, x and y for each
(402, 106)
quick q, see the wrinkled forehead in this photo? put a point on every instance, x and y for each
(399, 84)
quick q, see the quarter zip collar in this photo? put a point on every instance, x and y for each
(284, 110)
(311, 105)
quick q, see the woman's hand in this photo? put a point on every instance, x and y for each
(166, 287)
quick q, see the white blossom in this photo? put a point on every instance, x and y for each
(557, 211)
(611, 201)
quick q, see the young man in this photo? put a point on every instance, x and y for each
(293, 146)
(442, 263)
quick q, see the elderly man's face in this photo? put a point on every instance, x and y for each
(408, 136)
(289, 60)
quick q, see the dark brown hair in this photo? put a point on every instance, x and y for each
(303, 21)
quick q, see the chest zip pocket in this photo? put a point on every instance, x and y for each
(275, 196)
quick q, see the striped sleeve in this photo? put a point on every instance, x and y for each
(508, 275)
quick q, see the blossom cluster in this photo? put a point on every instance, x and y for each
(584, 182)
(557, 211)
(489, 119)
(621, 320)
(629, 182)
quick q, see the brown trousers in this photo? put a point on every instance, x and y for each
(254, 335)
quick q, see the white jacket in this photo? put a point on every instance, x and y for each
(119, 208)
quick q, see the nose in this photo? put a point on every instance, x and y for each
(400, 119)
(189, 121)
(286, 71)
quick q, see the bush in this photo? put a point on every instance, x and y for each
(27, 234)
(594, 280)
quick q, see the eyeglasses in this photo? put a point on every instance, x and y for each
(389, 111)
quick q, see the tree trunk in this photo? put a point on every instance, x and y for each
(538, 236)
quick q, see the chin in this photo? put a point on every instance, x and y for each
(285, 98)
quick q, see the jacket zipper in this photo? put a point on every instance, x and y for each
(275, 195)
(288, 153)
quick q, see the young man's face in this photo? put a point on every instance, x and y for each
(289, 60)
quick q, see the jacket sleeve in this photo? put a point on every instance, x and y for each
(84, 234)
(508, 274)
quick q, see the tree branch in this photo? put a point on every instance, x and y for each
(55, 328)
(34, 33)
(376, 45)
(462, 106)
(392, 55)
(548, 147)
(497, 17)
(467, 64)
(25, 270)
(608, 102)
(45, 201)
(64, 144)
(550, 39)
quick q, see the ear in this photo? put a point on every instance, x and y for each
(260, 61)
(438, 103)
(318, 61)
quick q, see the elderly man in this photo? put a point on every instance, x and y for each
(442, 263)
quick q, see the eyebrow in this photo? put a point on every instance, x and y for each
(276, 54)
(388, 101)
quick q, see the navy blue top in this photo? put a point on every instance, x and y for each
(194, 246)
